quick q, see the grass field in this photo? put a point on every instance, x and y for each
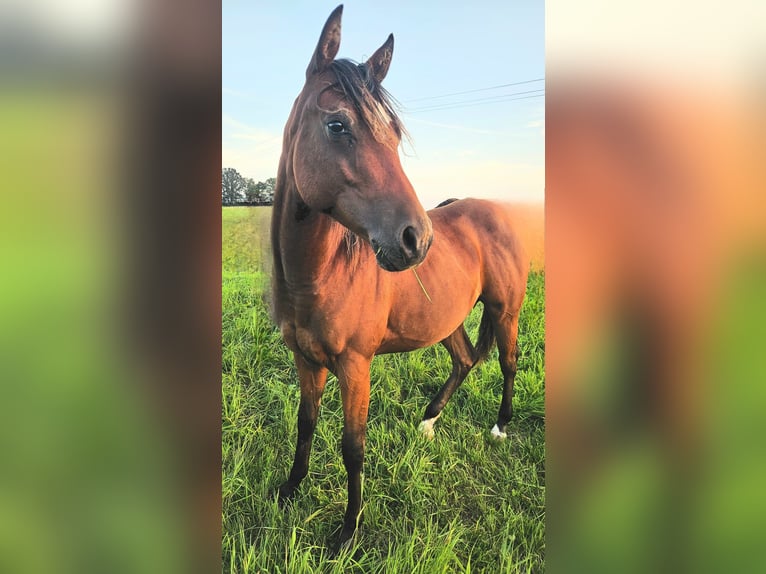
(245, 244)
(459, 503)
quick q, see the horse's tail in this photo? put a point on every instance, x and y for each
(486, 337)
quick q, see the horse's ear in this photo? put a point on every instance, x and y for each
(328, 45)
(381, 59)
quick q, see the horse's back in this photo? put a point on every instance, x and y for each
(490, 229)
(494, 224)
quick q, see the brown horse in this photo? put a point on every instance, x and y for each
(346, 225)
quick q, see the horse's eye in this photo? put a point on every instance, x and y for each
(336, 127)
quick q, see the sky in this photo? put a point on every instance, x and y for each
(486, 143)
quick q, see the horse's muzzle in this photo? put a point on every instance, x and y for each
(407, 249)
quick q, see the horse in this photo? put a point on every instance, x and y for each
(347, 227)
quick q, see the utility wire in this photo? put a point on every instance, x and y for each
(480, 101)
(487, 99)
(473, 91)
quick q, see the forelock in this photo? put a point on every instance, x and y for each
(371, 100)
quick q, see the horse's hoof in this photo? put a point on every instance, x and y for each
(345, 540)
(285, 494)
(426, 427)
(497, 434)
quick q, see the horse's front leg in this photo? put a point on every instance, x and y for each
(312, 381)
(354, 377)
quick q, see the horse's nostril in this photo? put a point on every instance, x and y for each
(410, 240)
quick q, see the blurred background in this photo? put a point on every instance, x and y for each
(110, 301)
(656, 277)
(110, 324)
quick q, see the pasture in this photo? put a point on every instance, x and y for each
(459, 503)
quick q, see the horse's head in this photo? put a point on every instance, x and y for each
(341, 145)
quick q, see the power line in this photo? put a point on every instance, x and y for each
(480, 101)
(474, 91)
(490, 98)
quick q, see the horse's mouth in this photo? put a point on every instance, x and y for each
(388, 264)
(403, 249)
(396, 261)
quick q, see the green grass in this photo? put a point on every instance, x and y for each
(245, 239)
(459, 503)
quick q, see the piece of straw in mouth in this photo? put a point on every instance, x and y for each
(421, 285)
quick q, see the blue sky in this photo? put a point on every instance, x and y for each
(488, 143)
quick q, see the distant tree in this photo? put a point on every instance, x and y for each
(251, 191)
(259, 193)
(255, 192)
(268, 194)
(233, 186)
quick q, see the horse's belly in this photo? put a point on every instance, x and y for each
(399, 345)
(409, 331)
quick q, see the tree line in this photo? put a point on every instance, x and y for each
(239, 190)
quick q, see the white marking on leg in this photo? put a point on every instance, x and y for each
(496, 434)
(427, 426)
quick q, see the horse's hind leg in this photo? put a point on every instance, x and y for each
(463, 356)
(506, 327)
(312, 380)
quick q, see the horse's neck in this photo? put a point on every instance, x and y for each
(305, 242)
